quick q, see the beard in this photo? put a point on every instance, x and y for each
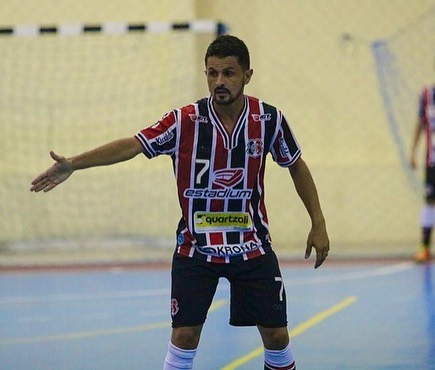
(222, 96)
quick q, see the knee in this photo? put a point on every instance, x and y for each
(274, 338)
(186, 337)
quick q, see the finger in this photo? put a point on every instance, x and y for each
(50, 187)
(37, 187)
(38, 184)
(319, 262)
(39, 178)
(320, 258)
(308, 251)
(41, 184)
(56, 157)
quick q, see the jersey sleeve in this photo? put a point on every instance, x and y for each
(285, 149)
(159, 138)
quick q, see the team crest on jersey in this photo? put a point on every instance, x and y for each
(198, 118)
(254, 147)
(174, 307)
(261, 117)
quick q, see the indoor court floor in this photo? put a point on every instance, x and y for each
(378, 315)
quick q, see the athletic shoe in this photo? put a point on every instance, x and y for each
(423, 255)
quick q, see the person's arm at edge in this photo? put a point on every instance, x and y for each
(114, 152)
(306, 189)
(415, 141)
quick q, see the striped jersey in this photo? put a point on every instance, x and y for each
(220, 176)
(426, 112)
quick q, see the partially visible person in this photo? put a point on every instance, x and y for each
(425, 126)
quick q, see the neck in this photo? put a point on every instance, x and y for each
(229, 114)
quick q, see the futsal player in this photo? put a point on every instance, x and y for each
(219, 146)
(425, 126)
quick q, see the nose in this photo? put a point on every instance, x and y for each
(220, 80)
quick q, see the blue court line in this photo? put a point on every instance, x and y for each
(298, 330)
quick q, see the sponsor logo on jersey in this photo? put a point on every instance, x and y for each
(197, 118)
(165, 137)
(283, 148)
(180, 239)
(228, 250)
(221, 221)
(218, 194)
(228, 177)
(254, 147)
(261, 117)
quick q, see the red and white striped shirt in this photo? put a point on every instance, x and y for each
(220, 176)
(426, 112)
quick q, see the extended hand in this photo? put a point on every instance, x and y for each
(54, 176)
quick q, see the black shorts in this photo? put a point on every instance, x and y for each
(430, 183)
(257, 291)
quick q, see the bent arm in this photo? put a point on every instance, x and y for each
(111, 153)
(306, 189)
(415, 141)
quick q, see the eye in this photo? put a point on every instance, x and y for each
(229, 73)
(212, 73)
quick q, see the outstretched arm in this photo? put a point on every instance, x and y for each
(306, 189)
(114, 152)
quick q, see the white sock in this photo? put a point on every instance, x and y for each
(279, 359)
(177, 358)
(427, 216)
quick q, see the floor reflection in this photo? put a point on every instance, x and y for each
(430, 305)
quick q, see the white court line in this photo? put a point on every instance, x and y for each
(355, 275)
(85, 297)
(98, 333)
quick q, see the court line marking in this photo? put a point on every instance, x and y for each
(298, 330)
(353, 275)
(97, 333)
(122, 294)
(324, 278)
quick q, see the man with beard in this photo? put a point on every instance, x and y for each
(218, 146)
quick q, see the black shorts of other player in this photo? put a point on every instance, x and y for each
(430, 184)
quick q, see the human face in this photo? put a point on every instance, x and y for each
(226, 79)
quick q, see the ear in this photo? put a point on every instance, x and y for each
(248, 75)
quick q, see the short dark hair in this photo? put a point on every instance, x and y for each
(229, 46)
